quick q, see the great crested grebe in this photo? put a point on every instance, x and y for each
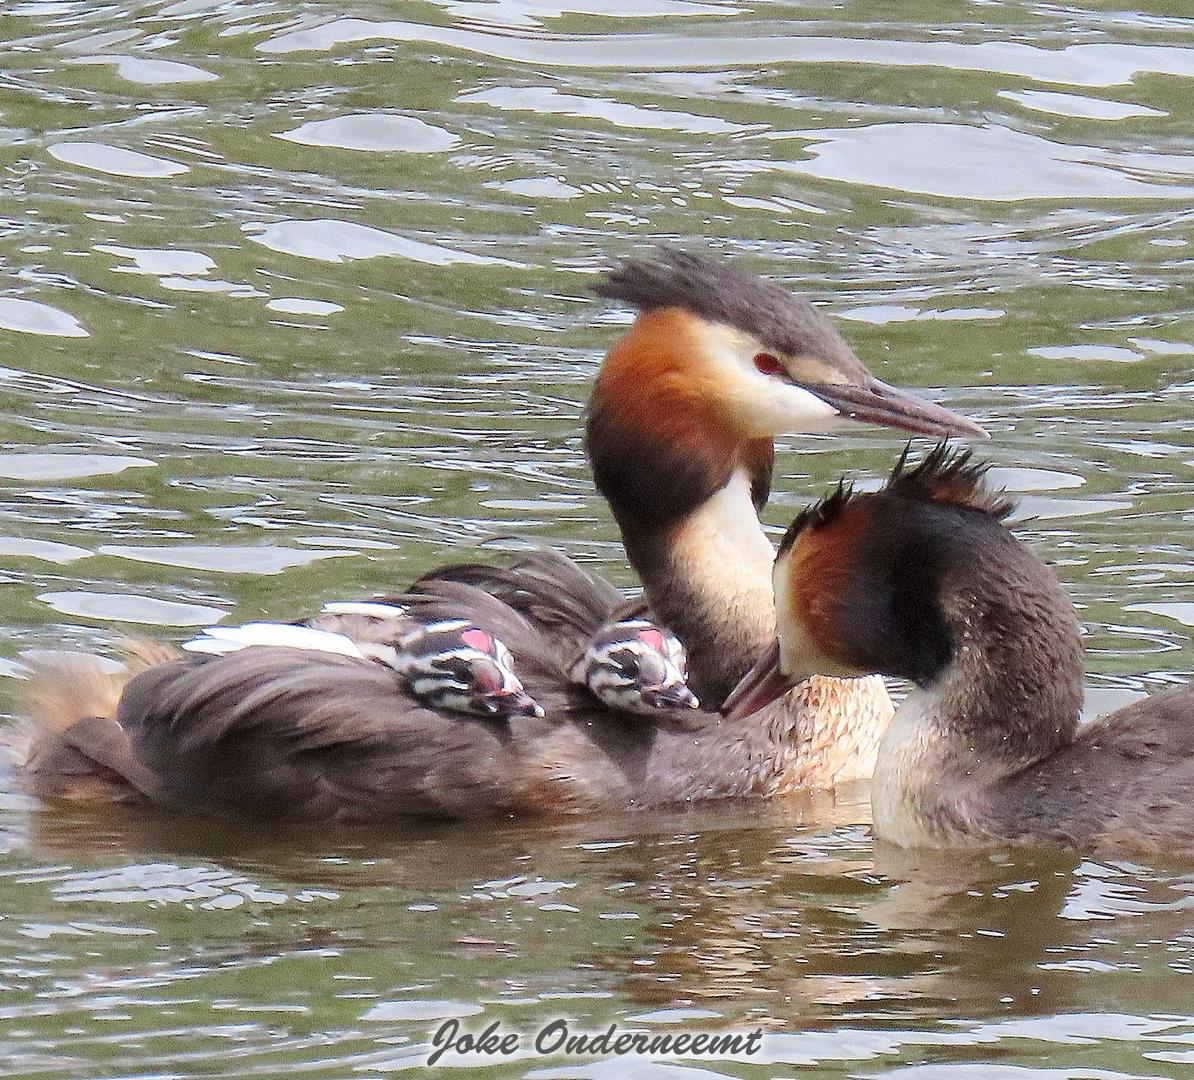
(679, 435)
(923, 581)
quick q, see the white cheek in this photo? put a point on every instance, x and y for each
(783, 408)
(795, 657)
(763, 404)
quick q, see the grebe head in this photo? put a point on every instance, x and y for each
(680, 429)
(635, 666)
(759, 360)
(458, 667)
(900, 581)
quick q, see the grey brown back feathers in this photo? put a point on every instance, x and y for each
(565, 604)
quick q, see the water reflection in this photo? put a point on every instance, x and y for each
(667, 921)
(114, 159)
(373, 131)
(1076, 105)
(32, 317)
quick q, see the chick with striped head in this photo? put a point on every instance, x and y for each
(450, 665)
(456, 666)
(635, 666)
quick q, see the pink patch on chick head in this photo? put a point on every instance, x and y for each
(653, 638)
(477, 639)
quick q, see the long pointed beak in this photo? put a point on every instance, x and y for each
(875, 402)
(677, 696)
(760, 686)
(510, 703)
(520, 703)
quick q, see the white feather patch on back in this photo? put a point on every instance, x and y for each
(368, 608)
(383, 654)
(220, 640)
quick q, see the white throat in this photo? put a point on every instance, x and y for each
(722, 546)
(895, 804)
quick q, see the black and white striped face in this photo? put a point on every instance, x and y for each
(458, 667)
(636, 666)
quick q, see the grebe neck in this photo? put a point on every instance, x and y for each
(685, 487)
(1008, 698)
(708, 576)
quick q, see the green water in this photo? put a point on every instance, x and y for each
(300, 311)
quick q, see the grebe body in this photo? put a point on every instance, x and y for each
(923, 581)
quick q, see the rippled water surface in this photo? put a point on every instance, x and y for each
(294, 305)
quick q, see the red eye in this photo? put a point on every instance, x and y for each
(768, 364)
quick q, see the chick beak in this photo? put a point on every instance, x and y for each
(760, 686)
(507, 703)
(520, 703)
(674, 696)
(874, 402)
